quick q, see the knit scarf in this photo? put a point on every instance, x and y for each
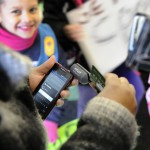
(15, 42)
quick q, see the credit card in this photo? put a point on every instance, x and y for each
(97, 79)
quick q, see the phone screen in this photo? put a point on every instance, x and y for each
(49, 90)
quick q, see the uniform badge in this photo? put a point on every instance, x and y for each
(49, 46)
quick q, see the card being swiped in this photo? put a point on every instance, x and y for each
(97, 79)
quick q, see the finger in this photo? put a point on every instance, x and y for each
(135, 102)
(124, 80)
(65, 94)
(111, 78)
(74, 82)
(77, 37)
(72, 28)
(132, 88)
(110, 75)
(47, 65)
(92, 84)
(59, 103)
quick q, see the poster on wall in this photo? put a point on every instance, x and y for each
(106, 24)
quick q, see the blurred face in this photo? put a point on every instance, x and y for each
(20, 17)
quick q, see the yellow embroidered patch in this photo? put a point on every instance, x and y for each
(49, 46)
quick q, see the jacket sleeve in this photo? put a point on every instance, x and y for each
(104, 125)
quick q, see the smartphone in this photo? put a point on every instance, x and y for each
(48, 91)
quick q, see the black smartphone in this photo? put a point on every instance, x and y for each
(48, 91)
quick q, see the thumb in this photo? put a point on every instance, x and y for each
(47, 65)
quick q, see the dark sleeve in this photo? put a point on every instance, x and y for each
(104, 125)
(55, 115)
(54, 15)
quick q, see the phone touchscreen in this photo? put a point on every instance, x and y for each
(49, 91)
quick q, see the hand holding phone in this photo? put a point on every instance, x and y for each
(48, 91)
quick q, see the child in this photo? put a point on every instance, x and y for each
(22, 31)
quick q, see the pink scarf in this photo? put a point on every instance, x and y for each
(15, 42)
